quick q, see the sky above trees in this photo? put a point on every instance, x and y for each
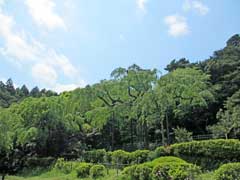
(63, 44)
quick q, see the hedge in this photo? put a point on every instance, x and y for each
(208, 153)
(230, 171)
(116, 157)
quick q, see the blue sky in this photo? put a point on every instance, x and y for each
(64, 44)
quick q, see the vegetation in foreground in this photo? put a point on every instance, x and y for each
(161, 164)
(135, 109)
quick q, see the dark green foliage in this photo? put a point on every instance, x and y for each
(33, 162)
(230, 171)
(9, 94)
(97, 171)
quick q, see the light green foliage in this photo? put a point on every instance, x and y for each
(230, 171)
(208, 153)
(83, 169)
(64, 166)
(95, 156)
(97, 171)
(179, 171)
(161, 168)
(120, 157)
(229, 120)
(182, 135)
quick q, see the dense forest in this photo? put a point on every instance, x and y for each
(135, 109)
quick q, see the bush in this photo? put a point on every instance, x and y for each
(97, 171)
(167, 159)
(95, 156)
(139, 156)
(83, 170)
(179, 171)
(230, 171)
(161, 168)
(64, 166)
(217, 149)
(160, 151)
(120, 157)
(143, 172)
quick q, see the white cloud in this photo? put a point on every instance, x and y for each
(195, 5)
(67, 87)
(177, 25)
(45, 74)
(42, 11)
(141, 4)
(45, 63)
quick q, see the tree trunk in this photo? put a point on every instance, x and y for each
(226, 136)
(145, 134)
(131, 121)
(162, 132)
(3, 176)
(167, 128)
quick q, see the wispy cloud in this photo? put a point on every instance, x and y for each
(43, 14)
(195, 5)
(177, 25)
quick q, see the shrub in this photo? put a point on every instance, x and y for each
(179, 171)
(208, 153)
(167, 159)
(97, 171)
(143, 172)
(95, 156)
(64, 166)
(160, 151)
(83, 170)
(120, 157)
(139, 156)
(129, 172)
(230, 171)
(161, 168)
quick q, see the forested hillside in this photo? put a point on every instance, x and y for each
(9, 94)
(135, 108)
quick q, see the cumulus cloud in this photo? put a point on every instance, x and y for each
(177, 25)
(43, 14)
(45, 63)
(195, 5)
